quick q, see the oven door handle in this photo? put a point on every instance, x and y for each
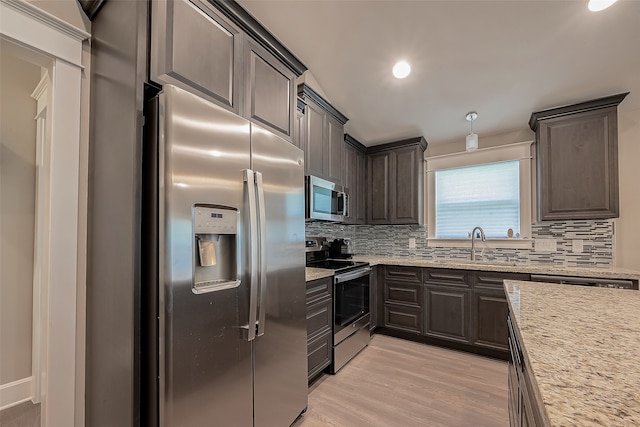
(344, 277)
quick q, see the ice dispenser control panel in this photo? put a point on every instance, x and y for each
(215, 221)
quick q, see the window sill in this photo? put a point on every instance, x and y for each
(523, 243)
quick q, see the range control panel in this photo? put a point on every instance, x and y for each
(215, 220)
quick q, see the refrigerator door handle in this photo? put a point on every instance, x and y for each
(249, 178)
(262, 225)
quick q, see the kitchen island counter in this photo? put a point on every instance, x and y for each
(581, 344)
(509, 267)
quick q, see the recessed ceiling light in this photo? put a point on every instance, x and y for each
(401, 70)
(598, 5)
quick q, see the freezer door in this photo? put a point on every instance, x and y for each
(204, 362)
(280, 384)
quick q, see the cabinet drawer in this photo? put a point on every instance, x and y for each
(447, 313)
(318, 354)
(403, 293)
(318, 289)
(319, 318)
(403, 318)
(437, 276)
(493, 279)
(409, 274)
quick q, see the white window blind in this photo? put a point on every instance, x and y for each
(485, 195)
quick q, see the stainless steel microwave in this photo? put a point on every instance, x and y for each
(325, 200)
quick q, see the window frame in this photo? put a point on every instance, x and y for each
(520, 151)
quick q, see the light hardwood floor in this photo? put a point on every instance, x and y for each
(399, 383)
(23, 415)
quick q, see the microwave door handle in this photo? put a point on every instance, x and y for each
(262, 227)
(345, 203)
(250, 334)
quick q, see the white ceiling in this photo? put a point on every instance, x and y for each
(504, 59)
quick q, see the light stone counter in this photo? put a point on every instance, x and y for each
(317, 273)
(582, 345)
(519, 267)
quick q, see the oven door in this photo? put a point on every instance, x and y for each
(350, 301)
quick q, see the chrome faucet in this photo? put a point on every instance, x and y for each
(473, 241)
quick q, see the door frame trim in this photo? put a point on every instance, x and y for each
(54, 44)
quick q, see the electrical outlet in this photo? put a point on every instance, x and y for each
(545, 245)
(412, 243)
(577, 246)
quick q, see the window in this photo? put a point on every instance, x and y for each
(487, 195)
(490, 188)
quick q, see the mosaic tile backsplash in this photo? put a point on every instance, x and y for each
(393, 240)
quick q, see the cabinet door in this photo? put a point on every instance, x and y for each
(447, 313)
(578, 166)
(378, 203)
(315, 140)
(270, 91)
(351, 181)
(361, 189)
(299, 131)
(194, 47)
(406, 194)
(490, 311)
(335, 151)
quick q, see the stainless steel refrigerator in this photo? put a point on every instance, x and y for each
(225, 319)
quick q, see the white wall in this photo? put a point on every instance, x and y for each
(17, 202)
(628, 225)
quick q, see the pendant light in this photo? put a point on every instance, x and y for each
(472, 138)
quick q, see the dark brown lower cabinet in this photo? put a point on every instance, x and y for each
(318, 354)
(490, 311)
(525, 409)
(319, 323)
(402, 294)
(373, 297)
(463, 309)
(447, 313)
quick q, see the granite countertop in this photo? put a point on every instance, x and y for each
(581, 344)
(513, 267)
(317, 273)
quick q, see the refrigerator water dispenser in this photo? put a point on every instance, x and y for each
(215, 239)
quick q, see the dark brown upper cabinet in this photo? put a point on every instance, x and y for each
(355, 166)
(195, 47)
(324, 150)
(300, 126)
(395, 182)
(577, 151)
(216, 49)
(270, 91)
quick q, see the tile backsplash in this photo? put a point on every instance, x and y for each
(393, 240)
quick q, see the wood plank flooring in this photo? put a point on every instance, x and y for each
(399, 383)
(23, 415)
